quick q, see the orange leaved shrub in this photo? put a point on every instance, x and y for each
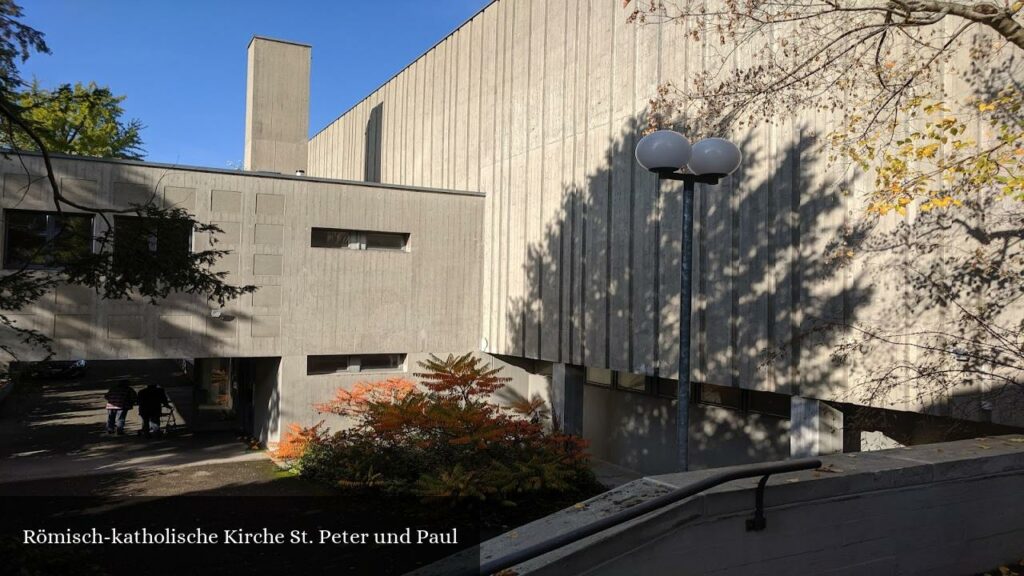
(445, 440)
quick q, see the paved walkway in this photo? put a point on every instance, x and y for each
(54, 429)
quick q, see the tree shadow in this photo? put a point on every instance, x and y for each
(603, 282)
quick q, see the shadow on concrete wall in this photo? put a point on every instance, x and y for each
(762, 282)
(372, 150)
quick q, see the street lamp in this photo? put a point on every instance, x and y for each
(665, 153)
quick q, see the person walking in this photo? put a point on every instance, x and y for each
(152, 400)
(120, 399)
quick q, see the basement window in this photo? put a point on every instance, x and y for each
(45, 239)
(753, 401)
(358, 239)
(349, 363)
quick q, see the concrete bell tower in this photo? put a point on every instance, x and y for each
(277, 106)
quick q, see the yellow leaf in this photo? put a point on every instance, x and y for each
(928, 151)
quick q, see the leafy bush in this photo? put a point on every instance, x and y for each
(444, 441)
(297, 439)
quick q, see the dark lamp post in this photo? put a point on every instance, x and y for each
(665, 153)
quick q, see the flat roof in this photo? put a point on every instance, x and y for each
(256, 174)
(268, 38)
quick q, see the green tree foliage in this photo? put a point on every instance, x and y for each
(444, 440)
(82, 120)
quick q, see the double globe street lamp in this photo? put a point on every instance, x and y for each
(666, 153)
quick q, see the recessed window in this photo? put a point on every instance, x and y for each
(343, 363)
(768, 403)
(357, 239)
(138, 241)
(372, 362)
(331, 238)
(600, 376)
(45, 239)
(720, 396)
(666, 387)
(628, 381)
(326, 364)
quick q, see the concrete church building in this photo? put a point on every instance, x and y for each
(486, 199)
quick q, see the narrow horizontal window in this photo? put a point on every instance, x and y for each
(600, 376)
(666, 387)
(628, 381)
(357, 239)
(330, 238)
(328, 364)
(768, 403)
(386, 241)
(45, 239)
(368, 362)
(725, 396)
(341, 363)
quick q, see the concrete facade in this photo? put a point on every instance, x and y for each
(276, 106)
(539, 104)
(310, 300)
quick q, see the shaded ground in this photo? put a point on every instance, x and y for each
(60, 472)
(55, 428)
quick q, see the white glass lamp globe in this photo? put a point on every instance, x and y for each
(663, 151)
(714, 156)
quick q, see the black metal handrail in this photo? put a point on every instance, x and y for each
(758, 522)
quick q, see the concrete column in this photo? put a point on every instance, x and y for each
(567, 397)
(815, 428)
(277, 106)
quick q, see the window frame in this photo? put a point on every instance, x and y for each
(358, 239)
(354, 364)
(51, 234)
(141, 219)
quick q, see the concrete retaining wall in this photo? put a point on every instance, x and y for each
(951, 508)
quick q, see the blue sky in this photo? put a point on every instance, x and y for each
(182, 62)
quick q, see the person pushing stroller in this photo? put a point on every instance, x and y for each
(152, 401)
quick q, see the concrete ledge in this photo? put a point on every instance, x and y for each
(853, 501)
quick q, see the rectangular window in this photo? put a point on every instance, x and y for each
(357, 239)
(330, 238)
(338, 363)
(666, 387)
(373, 362)
(139, 240)
(600, 376)
(725, 396)
(768, 403)
(45, 239)
(386, 241)
(326, 364)
(634, 382)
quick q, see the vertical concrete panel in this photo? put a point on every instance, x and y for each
(535, 253)
(581, 114)
(754, 256)
(644, 300)
(567, 184)
(597, 199)
(621, 203)
(552, 183)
